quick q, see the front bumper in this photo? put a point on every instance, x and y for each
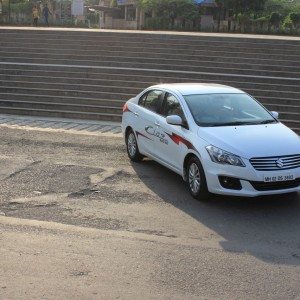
(252, 181)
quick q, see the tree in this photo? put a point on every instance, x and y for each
(282, 7)
(168, 10)
(242, 6)
(287, 23)
(295, 18)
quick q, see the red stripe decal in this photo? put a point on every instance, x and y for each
(177, 139)
(138, 133)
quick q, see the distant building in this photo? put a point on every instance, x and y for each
(208, 3)
(127, 15)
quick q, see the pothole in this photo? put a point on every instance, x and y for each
(40, 178)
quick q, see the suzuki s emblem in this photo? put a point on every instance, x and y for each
(279, 163)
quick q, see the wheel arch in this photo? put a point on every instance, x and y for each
(185, 162)
(128, 128)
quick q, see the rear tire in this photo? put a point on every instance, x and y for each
(196, 180)
(132, 147)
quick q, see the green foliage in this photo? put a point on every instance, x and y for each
(242, 6)
(295, 18)
(157, 23)
(287, 23)
(21, 7)
(167, 11)
(90, 2)
(283, 7)
(113, 3)
(262, 19)
(18, 1)
(171, 8)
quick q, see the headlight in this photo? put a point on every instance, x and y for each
(220, 156)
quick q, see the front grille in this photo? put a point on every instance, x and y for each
(279, 185)
(275, 163)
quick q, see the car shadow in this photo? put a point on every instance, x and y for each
(266, 227)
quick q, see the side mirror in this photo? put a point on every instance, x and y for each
(275, 114)
(174, 120)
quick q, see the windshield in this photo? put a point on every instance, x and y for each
(227, 110)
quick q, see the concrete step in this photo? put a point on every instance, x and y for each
(56, 106)
(204, 61)
(81, 90)
(91, 74)
(116, 101)
(136, 43)
(275, 101)
(145, 53)
(277, 104)
(162, 49)
(57, 86)
(282, 108)
(178, 36)
(127, 39)
(138, 83)
(114, 104)
(64, 92)
(157, 75)
(137, 78)
(289, 115)
(255, 70)
(279, 56)
(61, 99)
(260, 93)
(144, 35)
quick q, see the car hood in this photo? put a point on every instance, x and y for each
(253, 140)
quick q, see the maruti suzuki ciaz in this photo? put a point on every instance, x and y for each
(218, 138)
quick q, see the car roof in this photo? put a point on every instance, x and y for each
(199, 88)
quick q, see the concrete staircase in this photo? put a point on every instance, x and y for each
(90, 74)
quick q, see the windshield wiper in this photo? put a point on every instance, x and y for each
(233, 124)
(239, 123)
(267, 122)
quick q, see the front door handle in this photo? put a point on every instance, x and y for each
(136, 114)
(157, 124)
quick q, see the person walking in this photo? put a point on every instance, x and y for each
(35, 15)
(46, 13)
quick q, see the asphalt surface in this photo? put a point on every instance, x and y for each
(77, 219)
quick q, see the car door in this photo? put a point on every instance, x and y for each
(149, 104)
(173, 148)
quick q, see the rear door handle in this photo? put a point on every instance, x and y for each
(157, 124)
(136, 114)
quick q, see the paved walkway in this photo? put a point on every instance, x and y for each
(174, 33)
(44, 123)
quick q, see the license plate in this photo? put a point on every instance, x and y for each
(276, 178)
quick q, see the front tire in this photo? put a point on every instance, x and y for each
(132, 147)
(196, 180)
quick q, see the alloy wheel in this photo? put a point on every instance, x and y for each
(194, 178)
(131, 144)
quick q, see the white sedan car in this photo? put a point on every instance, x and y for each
(218, 138)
